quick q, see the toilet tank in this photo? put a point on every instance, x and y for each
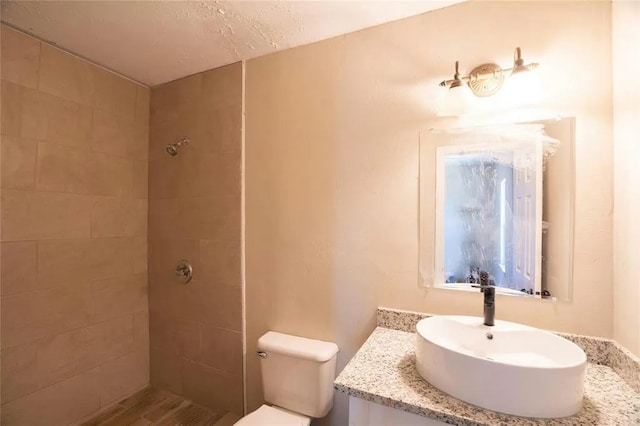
(298, 373)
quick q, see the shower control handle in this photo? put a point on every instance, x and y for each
(184, 271)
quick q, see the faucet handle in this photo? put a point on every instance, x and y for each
(483, 287)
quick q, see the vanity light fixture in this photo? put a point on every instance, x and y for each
(487, 79)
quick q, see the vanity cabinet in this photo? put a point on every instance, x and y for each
(365, 413)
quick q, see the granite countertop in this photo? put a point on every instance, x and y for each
(383, 371)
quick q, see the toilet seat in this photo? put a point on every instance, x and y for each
(272, 416)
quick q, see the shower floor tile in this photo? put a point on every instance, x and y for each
(152, 406)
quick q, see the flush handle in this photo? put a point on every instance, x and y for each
(262, 354)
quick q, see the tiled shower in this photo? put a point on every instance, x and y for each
(194, 214)
(96, 216)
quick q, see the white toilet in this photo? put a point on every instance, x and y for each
(297, 379)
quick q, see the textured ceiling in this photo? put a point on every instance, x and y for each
(158, 41)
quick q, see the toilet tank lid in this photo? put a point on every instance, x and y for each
(298, 347)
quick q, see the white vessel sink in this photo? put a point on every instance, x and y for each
(516, 370)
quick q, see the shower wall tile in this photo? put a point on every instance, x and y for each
(194, 173)
(63, 261)
(221, 125)
(34, 366)
(174, 114)
(112, 133)
(118, 217)
(140, 254)
(30, 215)
(140, 179)
(111, 257)
(176, 303)
(163, 178)
(19, 371)
(20, 58)
(54, 120)
(222, 87)
(66, 76)
(195, 214)
(140, 148)
(179, 336)
(178, 94)
(121, 376)
(164, 253)
(111, 175)
(164, 218)
(173, 183)
(165, 368)
(69, 354)
(74, 299)
(63, 169)
(113, 93)
(196, 217)
(62, 403)
(11, 105)
(118, 297)
(221, 348)
(219, 305)
(19, 262)
(18, 162)
(170, 127)
(217, 175)
(50, 312)
(143, 100)
(211, 387)
(141, 332)
(221, 262)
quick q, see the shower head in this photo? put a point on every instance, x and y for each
(172, 148)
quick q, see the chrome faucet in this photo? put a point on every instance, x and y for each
(489, 292)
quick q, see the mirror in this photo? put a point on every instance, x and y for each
(499, 199)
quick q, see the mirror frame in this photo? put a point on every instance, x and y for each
(426, 273)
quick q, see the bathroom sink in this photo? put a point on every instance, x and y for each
(510, 368)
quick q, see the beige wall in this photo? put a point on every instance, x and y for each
(331, 169)
(74, 221)
(194, 214)
(626, 108)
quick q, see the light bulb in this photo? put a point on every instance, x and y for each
(522, 88)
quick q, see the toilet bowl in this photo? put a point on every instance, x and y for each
(267, 416)
(297, 380)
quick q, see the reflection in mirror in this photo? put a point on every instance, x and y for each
(503, 205)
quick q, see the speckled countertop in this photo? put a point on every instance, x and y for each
(383, 371)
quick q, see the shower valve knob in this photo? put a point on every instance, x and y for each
(184, 271)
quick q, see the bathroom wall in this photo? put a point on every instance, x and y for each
(626, 131)
(74, 235)
(331, 142)
(195, 214)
